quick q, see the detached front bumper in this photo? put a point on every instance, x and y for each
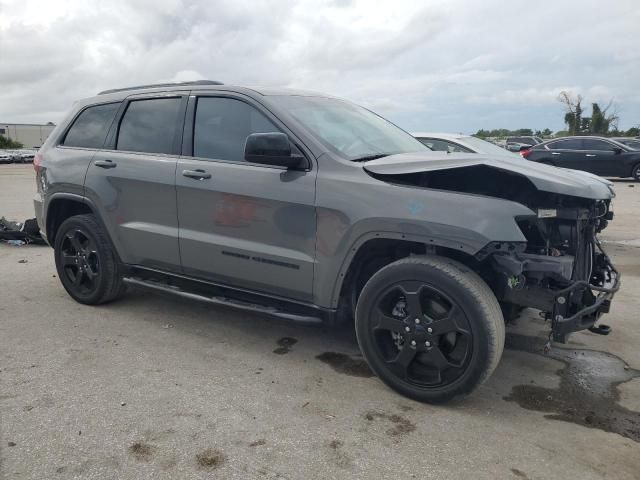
(586, 317)
(532, 281)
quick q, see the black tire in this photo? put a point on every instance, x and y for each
(635, 172)
(458, 342)
(86, 261)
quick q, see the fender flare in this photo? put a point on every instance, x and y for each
(467, 248)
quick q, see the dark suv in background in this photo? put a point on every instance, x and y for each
(310, 208)
(598, 155)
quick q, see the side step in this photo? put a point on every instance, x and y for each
(226, 301)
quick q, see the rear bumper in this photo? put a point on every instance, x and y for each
(38, 207)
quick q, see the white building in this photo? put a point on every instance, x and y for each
(30, 135)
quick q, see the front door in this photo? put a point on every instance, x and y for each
(600, 157)
(243, 224)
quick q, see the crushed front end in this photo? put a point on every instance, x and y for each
(562, 270)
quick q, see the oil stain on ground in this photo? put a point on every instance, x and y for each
(588, 393)
(342, 363)
(141, 451)
(284, 345)
(399, 424)
(210, 458)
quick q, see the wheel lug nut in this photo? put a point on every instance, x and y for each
(407, 329)
(427, 343)
(417, 320)
(413, 343)
(430, 330)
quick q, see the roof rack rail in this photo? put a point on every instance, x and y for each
(157, 85)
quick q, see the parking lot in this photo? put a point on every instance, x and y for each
(159, 387)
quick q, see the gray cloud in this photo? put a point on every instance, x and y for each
(427, 65)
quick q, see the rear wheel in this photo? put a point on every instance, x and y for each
(430, 328)
(86, 262)
(635, 172)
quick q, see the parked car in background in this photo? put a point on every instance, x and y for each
(599, 155)
(26, 156)
(517, 147)
(526, 140)
(455, 142)
(628, 141)
(5, 158)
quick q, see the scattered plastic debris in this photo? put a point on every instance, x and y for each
(18, 234)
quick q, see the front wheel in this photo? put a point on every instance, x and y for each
(430, 328)
(635, 173)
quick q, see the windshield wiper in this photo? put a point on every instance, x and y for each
(373, 156)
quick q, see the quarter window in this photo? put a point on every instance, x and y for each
(91, 126)
(149, 126)
(222, 126)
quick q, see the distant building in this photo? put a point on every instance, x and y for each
(31, 135)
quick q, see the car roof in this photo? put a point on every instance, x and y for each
(580, 137)
(118, 94)
(444, 136)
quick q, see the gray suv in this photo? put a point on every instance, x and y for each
(311, 208)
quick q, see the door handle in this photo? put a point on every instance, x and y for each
(590, 155)
(105, 164)
(555, 153)
(197, 174)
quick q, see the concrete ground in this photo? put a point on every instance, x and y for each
(158, 387)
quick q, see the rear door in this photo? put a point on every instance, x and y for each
(243, 224)
(132, 180)
(566, 153)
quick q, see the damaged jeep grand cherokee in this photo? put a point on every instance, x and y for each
(310, 208)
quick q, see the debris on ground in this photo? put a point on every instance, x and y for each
(17, 234)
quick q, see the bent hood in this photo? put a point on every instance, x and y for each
(545, 177)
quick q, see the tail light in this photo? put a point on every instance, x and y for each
(525, 153)
(37, 160)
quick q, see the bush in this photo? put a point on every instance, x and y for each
(8, 143)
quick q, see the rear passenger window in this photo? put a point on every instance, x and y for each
(222, 126)
(569, 144)
(149, 126)
(91, 126)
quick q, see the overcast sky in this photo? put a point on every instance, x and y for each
(451, 65)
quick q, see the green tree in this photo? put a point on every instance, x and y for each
(8, 143)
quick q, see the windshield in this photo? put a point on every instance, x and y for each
(351, 131)
(482, 146)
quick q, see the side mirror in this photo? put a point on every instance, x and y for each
(617, 150)
(270, 149)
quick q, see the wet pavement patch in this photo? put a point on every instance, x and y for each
(141, 451)
(588, 393)
(343, 363)
(210, 458)
(284, 345)
(400, 424)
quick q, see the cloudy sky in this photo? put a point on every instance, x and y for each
(443, 65)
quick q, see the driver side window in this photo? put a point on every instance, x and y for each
(222, 126)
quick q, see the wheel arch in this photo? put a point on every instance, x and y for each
(62, 206)
(387, 247)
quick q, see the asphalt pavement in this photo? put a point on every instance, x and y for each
(158, 387)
